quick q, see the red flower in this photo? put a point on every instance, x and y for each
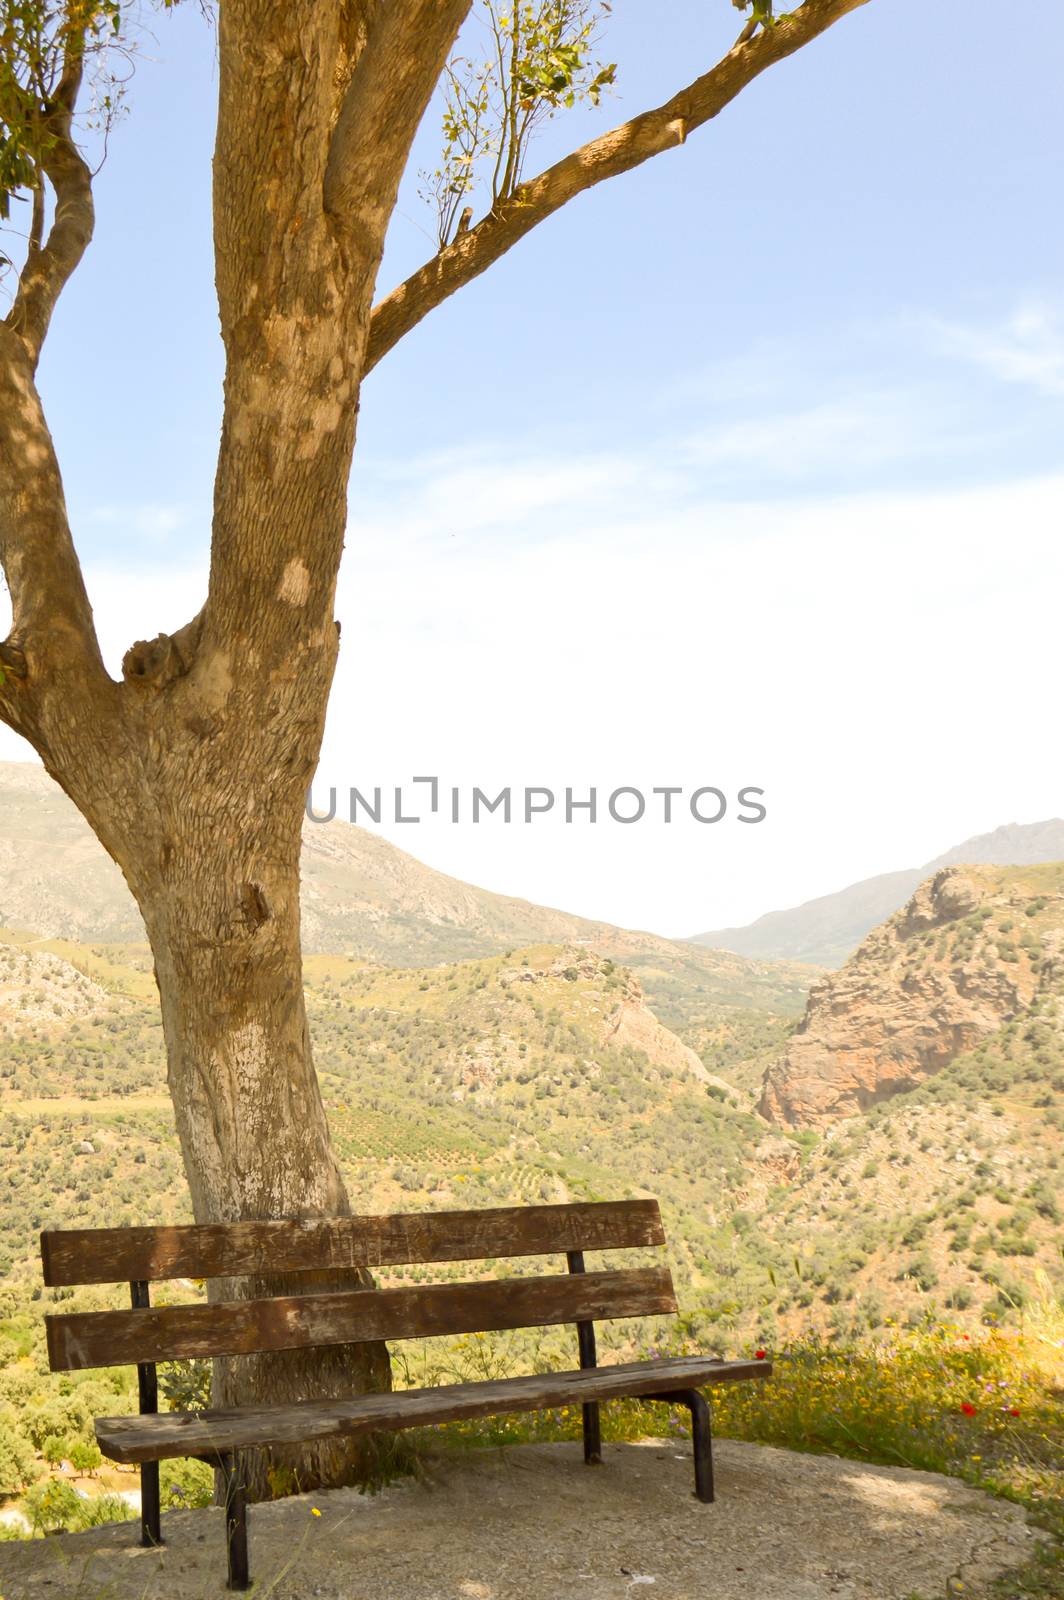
(760, 1355)
(1013, 1411)
(966, 1336)
(968, 1409)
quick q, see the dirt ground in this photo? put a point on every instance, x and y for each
(533, 1522)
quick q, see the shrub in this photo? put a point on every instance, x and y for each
(102, 1509)
(186, 1385)
(185, 1483)
(53, 1506)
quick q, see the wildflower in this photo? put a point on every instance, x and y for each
(1013, 1411)
(968, 1409)
(760, 1355)
(314, 1511)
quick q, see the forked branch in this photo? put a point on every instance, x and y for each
(49, 264)
(625, 147)
(405, 53)
(52, 630)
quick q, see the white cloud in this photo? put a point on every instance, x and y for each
(154, 522)
(1027, 347)
(862, 431)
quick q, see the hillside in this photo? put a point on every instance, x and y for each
(544, 1074)
(942, 1201)
(974, 949)
(826, 930)
(538, 1073)
(366, 898)
(541, 1074)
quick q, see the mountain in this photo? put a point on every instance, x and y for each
(364, 897)
(824, 931)
(974, 950)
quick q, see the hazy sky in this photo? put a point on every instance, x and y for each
(743, 470)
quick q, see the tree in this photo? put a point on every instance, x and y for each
(192, 769)
(85, 1456)
(55, 1449)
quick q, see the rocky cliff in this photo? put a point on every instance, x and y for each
(971, 951)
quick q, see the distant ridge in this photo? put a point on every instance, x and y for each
(362, 896)
(825, 931)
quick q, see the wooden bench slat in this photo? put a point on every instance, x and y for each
(239, 1249)
(156, 1438)
(243, 1327)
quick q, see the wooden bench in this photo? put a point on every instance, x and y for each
(146, 1335)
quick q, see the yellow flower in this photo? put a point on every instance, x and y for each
(314, 1511)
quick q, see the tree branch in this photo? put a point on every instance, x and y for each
(49, 267)
(52, 677)
(405, 53)
(36, 238)
(625, 147)
(53, 639)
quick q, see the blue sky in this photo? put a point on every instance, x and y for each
(745, 468)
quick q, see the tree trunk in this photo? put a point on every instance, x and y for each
(220, 898)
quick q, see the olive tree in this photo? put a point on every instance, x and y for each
(193, 766)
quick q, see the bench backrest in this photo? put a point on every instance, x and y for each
(329, 1244)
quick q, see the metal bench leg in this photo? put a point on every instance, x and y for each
(702, 1443)
(148, 1397)
(150, 1530)
(701, 1436)
(592, 1435)
(236, 1524)
(585, 1333)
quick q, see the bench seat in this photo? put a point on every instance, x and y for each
(210, 1434)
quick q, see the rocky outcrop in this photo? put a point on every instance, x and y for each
(966, 954)
(627, 1022)
(37, 988)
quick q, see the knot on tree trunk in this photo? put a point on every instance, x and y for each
(12, 662)
(257, 908)
(157, 662)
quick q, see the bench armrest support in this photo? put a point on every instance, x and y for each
(585, 1333)
(148, 1396)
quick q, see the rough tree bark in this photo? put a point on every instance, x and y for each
(192, 769)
